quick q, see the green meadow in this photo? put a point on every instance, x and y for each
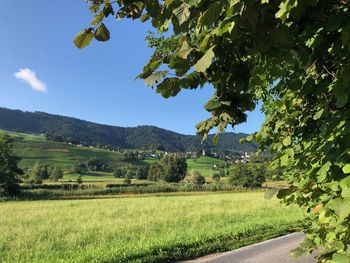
(204, 165)
(162, 228)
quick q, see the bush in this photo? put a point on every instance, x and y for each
(126, 181)
(216, 177)
(80, 179)
(195, 178)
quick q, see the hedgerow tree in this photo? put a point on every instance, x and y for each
(56, 173)
(293, 56)
(247, 175)
(174, 168)
(9, 170)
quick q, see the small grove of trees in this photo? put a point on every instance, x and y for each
(172, 168)
(80, 167)
(247, 175)
(119, 172)
(9, 170)
(38, 173)
(124, 172)
(93, 164)
(195, 178)
(155, 172)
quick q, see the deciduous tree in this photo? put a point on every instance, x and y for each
(292, 55)
(9, 170)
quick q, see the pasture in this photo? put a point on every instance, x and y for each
(204, 165)
(161, 228)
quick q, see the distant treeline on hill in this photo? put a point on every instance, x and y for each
(67, 129)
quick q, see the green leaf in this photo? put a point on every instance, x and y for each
(284, 192)
(249, 138)
(155, 78)
(204, 63)
(216, 139)
(341, 95)
(284, 160)
(341, 207)
(285, 8)
(182, 13)
(318, 114)
(170, 87)
(212, 105)
(83, 38)
(322, 173)
(287, 141)
(341, 258)
(212, 15)
(185, 50)
(346, 168)
(98, 19)
(102, 33)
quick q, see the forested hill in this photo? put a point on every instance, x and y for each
(73, 130)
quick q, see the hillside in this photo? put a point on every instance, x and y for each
(61, 128)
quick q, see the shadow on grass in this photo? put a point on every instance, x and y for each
(208, 246)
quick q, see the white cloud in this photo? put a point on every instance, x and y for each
(30, 77)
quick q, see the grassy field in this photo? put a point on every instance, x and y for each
(204, 165)
(35, 148)
(139, 229)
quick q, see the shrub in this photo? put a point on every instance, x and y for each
(126, 181)
(80, 179)
(195, 178)
(216, 177)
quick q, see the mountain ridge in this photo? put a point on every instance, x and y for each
(74, 130)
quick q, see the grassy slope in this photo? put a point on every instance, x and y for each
(204, 165)
(34, 148)
(138, 229)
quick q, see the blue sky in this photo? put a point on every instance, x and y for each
(97, 83)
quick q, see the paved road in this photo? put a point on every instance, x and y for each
(271, 251)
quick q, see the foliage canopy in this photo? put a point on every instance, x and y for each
(292, 55)
(9, 169)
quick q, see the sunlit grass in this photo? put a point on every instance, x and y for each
(138, 229)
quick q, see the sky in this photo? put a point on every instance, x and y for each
(42, 70)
